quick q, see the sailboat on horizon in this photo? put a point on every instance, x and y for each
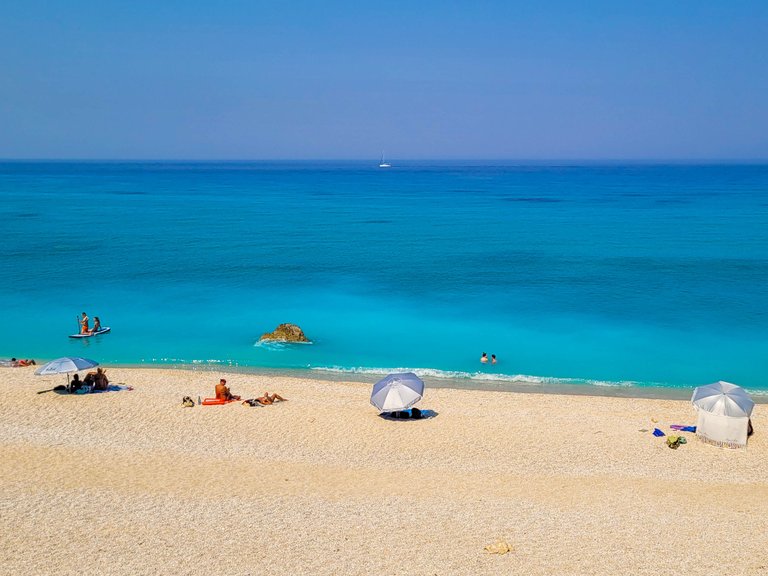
(382, 163)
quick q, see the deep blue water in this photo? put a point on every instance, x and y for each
(609, 275)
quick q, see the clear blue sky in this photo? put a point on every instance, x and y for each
(673, 79)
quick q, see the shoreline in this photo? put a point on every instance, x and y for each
(488, 385)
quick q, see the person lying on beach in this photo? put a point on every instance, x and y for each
(223, 393)
(21, 363)
(265, 400)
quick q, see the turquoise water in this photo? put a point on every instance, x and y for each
(576, 274)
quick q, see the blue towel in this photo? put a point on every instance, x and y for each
(683, 428)
(657, 432)
(113, 388)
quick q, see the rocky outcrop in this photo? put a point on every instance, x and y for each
(285, 333)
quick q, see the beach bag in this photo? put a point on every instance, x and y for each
(675, 441)
(187, 402)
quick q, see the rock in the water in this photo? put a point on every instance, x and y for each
(286, 333)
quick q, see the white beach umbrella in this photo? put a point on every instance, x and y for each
(65, 366)
(397, 392)
(723, 399)
(723, 414)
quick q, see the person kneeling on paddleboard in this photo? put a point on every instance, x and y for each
(84, 324)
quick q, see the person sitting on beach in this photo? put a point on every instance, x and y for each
(266, 400)
(84, 324)
(223, 393)
(96, 324)
(484, 358)
(100, 380)
(90, 379)
(76, 383)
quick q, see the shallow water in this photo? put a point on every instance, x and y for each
(585, 275)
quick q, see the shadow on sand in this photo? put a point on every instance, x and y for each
(407, 415)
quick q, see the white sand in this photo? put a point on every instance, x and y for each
(132, 483)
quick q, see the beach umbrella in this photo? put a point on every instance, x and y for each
(65, 366)
(723, 399)
(397, 392)
(723, 414)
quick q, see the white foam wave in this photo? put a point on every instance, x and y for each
(433, 373)
(276, 345)
(618, 384)
(522, 379)
(194, 362)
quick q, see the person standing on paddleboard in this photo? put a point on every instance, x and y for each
(84, 324)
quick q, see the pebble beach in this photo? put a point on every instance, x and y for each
(131, 482)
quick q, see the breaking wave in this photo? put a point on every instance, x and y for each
(518, 379)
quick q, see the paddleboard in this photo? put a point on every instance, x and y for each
(101, 331)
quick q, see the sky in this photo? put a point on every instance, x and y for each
(240, 80)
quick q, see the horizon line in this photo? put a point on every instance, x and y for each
(404, 159)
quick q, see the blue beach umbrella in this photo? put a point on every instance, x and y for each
(397, 392)
(65, 366)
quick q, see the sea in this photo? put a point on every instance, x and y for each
(588, 277)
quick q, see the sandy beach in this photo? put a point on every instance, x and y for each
(131, 482)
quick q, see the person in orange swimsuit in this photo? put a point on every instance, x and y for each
(84, 324)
